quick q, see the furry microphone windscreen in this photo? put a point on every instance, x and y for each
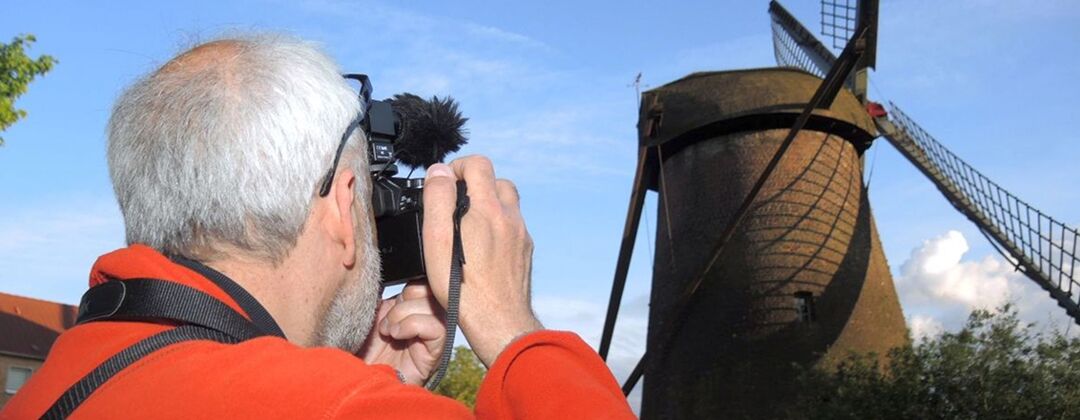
(430, 129)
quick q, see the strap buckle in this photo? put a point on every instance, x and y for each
(102, 301)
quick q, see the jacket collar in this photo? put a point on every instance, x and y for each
(140, 261)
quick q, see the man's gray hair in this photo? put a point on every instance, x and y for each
(229, 155)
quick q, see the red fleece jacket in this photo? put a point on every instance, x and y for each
(546, 374)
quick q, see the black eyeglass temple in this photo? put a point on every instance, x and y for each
(329, 178)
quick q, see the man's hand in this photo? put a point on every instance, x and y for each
(408, 334)
(495, 303)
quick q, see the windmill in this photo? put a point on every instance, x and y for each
(767, 256)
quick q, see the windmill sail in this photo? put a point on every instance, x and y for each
(838, 20)
(1041, 247)
(795, 46)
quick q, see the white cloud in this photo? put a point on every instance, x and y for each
(935, 272)
(938, 288)
(505, 36)
(924, 327)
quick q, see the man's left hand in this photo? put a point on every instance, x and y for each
(408, 334)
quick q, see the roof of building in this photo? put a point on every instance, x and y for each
(30, 326)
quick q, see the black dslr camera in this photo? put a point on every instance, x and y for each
(415, 132)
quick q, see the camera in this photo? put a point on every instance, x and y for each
(414, 132)
(396, 202)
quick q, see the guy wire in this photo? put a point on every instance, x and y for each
(667, 210)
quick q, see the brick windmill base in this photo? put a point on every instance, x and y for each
(803, 282)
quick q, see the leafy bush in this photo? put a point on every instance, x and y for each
(995, 367)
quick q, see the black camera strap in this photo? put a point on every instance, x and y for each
(153, 299)
(457, 259)
(81, 390)
(247, 302)
(203, 317)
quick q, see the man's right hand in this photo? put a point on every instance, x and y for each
(495, 303)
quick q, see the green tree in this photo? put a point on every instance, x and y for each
(995, 367)
(463, 377)
(16, 72)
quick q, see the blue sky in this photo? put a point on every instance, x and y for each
(546, 86)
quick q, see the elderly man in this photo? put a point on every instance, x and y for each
(217, 160)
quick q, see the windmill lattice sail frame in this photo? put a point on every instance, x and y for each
(1044, 249)
(838, 20)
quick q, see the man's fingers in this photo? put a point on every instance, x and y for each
(381, 314)
(479, 175)
(413, 306)
(423, 326)
(507, 193)
(416, 290)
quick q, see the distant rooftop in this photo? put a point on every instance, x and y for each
(28, 326)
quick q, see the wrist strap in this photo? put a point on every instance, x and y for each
(457, 259)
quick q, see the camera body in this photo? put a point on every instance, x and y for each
(397, 203)
(418, 133)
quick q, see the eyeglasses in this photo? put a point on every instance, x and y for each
(365, 98)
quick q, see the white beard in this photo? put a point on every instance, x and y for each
(352, 311)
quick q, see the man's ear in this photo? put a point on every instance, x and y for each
(343, 194)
